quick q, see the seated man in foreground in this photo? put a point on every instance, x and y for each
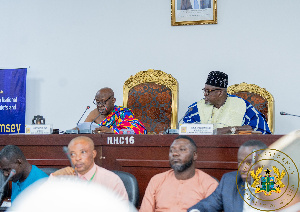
(228, 112)
(13, 162)
(82, 153)
(183, 185)
(227, 197)
(111, 118)
(282, 161)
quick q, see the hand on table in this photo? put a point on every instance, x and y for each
(103, 129)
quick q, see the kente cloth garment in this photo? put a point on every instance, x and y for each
(123, 118)
(165, 193)
(34, 175)
(235, 112)
(106, 178)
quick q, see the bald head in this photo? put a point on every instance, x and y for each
(105, 92)
(86, 140)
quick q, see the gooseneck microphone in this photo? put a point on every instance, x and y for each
(287, 114)
(11, 174)
(93, 122)
(66, 151)
(87, 107)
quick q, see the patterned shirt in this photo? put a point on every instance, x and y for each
(122, 118)
(251, 116)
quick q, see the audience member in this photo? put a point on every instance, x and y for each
(83, 153)
(281, 157)
(229, 113)
(227, 197)
(13, 160)
(183, 185)
(112, 118)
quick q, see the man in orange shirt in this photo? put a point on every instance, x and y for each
(183, 185)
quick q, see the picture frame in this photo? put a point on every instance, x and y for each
(193, 12)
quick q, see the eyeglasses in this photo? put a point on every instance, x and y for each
(103, 102)
(208, 91)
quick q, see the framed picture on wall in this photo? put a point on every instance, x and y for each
(193, 12)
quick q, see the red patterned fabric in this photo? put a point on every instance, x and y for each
(152, 104)
(122, 118)
(256, 100)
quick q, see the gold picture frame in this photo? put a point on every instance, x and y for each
(193, 12)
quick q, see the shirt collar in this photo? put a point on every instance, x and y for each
(89, 174)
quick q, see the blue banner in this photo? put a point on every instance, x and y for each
(12, 100)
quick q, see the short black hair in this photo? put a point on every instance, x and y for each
(12, 153)
(188, 138)
(259, 144)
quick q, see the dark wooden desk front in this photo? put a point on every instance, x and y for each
(141, 155)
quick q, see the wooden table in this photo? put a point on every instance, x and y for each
(141, 155)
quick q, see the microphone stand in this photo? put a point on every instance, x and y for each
(176, 131)
(12, 173)
(66, 151)
(288, 114)
(75, 131)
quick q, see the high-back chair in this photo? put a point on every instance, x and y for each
(259, 97)
(131, 186)
(152, 96)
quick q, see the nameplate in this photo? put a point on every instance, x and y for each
(38, 129)
(196, 129)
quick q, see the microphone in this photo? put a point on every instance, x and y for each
(287, 114)
(11, 174)
(93, 122)
(66, 151)
(176, 131)
(87, 107)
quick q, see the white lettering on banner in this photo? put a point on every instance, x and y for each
(8, 100)
(120, 140)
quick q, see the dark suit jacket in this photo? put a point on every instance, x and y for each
(226, 197)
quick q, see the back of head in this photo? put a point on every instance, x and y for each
(12, 153)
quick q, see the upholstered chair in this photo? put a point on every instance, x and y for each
(152, 96)
(259, 97)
